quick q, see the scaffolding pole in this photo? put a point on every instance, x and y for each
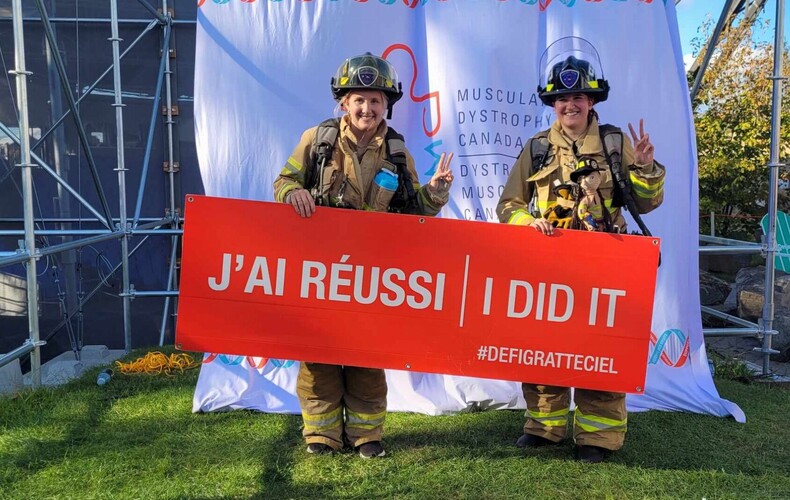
(121, 169)
(27, 194)
(172, 276)
(773, 183)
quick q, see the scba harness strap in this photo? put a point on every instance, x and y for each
(612, 142)
(405, 198)
(542, 154)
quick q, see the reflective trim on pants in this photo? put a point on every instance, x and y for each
(557, 418)
(322, 421)
(364, 420)
(591, 423)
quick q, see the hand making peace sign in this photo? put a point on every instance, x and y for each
(443, 177)
(643, 148)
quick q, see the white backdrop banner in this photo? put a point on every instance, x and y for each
(469, 70)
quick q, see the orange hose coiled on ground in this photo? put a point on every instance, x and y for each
(157, 363)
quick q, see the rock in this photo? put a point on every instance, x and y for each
(731, 302)
(712, 290)
(749, 287)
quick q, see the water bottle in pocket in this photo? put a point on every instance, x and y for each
(385, 183)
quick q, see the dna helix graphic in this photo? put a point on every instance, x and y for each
(671, 347)
(253, 361)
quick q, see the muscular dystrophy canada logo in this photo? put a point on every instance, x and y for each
(671, 347)
(429, 99)
(413, 4)
(253, 361)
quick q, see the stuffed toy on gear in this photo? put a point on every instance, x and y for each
(558, 214)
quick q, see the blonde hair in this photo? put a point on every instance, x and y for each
(343, 103)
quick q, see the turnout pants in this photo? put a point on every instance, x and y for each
(600, 418)
(341, 404)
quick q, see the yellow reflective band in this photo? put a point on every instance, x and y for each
(364, 420)
(644, 190)
(295, 166)
(591, 423)
(647, 184)
(284, 190)
(560, 422)
(549, 87)
(322, 421)
(540, 414)
(365, 416)
(593, 84)
(343, 80)
(543, 205)
(596, 211)
(557, 418)
(520, 218)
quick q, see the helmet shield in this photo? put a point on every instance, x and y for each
(571, 65)
(366, 72)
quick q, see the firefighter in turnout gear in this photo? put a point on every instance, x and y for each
(355, 162)
(567, 177)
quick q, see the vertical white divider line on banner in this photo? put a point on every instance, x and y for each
(469, 70)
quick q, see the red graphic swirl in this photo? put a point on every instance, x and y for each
(430, 133)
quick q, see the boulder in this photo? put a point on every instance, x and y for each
(749, 288)
(712, 290)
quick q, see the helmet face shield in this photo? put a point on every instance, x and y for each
(366, 72)
(571, 65)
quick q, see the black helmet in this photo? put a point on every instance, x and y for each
(573, 76)
(367, 72)
(571, 65)
(585, 166)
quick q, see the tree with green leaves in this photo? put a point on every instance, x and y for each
(732, 114)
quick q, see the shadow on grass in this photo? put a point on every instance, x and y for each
(657, 440)
(69, 416)
(278, 457)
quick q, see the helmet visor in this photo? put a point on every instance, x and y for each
(561, 50)
(367, 72)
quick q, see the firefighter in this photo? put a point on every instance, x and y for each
(355, 162)
(570, 157)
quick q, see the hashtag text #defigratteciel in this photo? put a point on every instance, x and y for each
(550, 359)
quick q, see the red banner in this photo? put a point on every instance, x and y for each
(417, 293)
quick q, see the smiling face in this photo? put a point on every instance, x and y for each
(572, 111)
(366, 109)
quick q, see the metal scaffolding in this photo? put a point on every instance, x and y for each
(120, 228)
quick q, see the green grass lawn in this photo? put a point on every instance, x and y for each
(137, 438)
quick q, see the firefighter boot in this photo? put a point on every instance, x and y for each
(591, 454)
(533, 441)
(372, 449)
(319, 449)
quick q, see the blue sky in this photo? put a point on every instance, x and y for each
(692, 13)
